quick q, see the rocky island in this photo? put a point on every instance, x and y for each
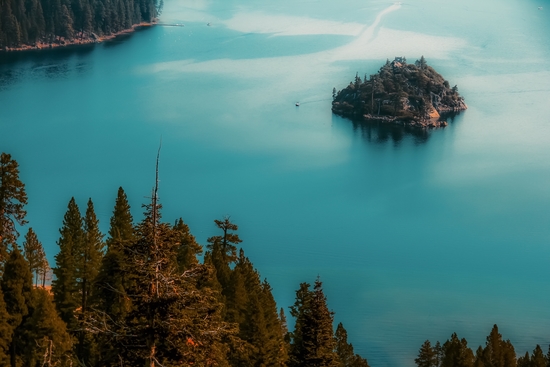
(412, 95)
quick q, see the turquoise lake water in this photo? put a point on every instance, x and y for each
(415, 236)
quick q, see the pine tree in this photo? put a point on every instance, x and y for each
(13, 199)
(456, 353)
(524, 361)
(88, 264)
(34, 253)
(171, 319)
(109, 295)
(17, 289)
(223, 251)
(47, 342)
(497, 352)
(345, 351)
(65, 287)
(189, 249)
(6, 332)
(426, 356)
(312, 343)
(538, 359)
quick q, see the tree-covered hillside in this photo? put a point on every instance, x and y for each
(44, 22)
(145, 296)
(399, 92)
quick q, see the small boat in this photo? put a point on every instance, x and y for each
(297, 104)
(540, 7)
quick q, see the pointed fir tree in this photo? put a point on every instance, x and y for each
(65, 286)
(34, 253)
(456, 353)
(171, 320)
(6, 332)
(189, 249)
(313, 342)
(110, 296)
(17, 289)
(524, 361)
(345, 351)
(478, 362)
(538, 359)
(426, 356)
(13, 199)
(47, 342)
(497, 352)
(89, 261)
(224, 251)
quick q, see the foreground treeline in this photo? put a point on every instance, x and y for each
(496, 353)
(27, 22)
(142, 296)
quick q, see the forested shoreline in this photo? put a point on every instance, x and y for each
(147, 294)
(28, 24)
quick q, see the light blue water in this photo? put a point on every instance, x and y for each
(414, 236)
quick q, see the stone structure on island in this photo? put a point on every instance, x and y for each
(400, 93)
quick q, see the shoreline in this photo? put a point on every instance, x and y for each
(434, 121)
(79, 39)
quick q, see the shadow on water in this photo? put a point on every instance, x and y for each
(381, 133)
(55, 63)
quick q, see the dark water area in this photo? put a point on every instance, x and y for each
(415, 234)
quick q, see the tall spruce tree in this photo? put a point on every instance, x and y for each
(345, 351)
(456, 353)
(223, 251)
(88, 263)
(250, 303)
(110, 292)
(189, 249)
(47, 342)
(538, 359)
(13, 199)
(497, 352)
(34, 253)
(17, 289)
(426, 356)
(313, 341)
(171, 320)
(65, 286)
(6, 332)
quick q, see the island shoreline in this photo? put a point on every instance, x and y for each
(87, 39)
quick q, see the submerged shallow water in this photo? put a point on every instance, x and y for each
(415, 236)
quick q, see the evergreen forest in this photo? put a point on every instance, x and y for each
(147, 294)
(46, 22)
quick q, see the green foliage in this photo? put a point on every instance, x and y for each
(344, 350)
(456, 353)
(497, 352)
(223, 251)
(6, 332)
(398, 90)
(26, 22)
(13, 198)
(188, 249)
(47, 342)
(36, 257)
(17, 289)
(313, 342)
(426, 356)
(65, 286)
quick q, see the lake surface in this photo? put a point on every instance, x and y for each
(415, 236)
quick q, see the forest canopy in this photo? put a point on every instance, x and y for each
(34, 22)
